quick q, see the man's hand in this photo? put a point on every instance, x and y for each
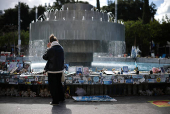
(49, 45)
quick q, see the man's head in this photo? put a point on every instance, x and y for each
(52, 38)
(79, 69)
(26, 66)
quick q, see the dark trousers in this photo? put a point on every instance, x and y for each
(56, 88)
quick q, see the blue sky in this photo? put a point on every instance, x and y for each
(162, 5)
(157, 2)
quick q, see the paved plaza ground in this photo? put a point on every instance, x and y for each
(123, 105)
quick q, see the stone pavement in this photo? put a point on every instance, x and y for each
(123, 105)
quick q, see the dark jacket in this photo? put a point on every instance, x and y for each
(55, 58)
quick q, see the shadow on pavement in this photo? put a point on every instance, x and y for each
(60, 109)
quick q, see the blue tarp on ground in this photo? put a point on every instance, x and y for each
(94, 98)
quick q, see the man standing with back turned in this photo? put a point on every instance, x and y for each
(54, 67)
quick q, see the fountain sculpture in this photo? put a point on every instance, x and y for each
(80, 30)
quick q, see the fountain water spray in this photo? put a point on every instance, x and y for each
(100, 19)
(134, 52)
(56, 11)
(83, 18)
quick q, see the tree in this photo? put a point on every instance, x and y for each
(165, 33)
(134, 34)
(140, 35)
(144, 34)
(146, 12)
(8, 36)
(24, 15)
(10, 39)
(41, 11)
(130, 9)
(98, 4)
(11, 16)
(61, 2)
(153, 10)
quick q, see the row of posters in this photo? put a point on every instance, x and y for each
(116, 79)
(30, 80)
(16, 66)
(79, 70)
(16, 79)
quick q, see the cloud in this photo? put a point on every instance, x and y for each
(160, 16)
(163, 9)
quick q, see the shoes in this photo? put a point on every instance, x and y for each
(51, 103)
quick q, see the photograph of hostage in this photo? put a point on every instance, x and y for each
(54, 68)
(79, 70)
(27, 67)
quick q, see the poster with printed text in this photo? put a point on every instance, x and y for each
(86, 71)
(72, 69)
(12, 65)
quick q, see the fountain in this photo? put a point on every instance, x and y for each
(134, 52)
(80, 30)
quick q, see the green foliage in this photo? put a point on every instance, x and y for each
(165, 33)
(24, 38)
(10, 38)
(135, 35)
(130, 9)
(24, 15)
(139, 34)
(11, 16)
(153, 9)
(155, 31)
(146, 12)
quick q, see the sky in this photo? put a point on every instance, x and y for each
(163, 6)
